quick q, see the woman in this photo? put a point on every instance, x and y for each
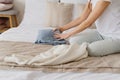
(106, 15)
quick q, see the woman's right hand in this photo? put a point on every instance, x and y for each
(62, 36)
(60, 29)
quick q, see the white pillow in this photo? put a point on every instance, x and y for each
(34, 12)
(5, 6)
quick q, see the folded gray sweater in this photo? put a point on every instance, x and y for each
(46, 36)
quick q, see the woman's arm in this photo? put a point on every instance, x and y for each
(79, 20)
(94, 15)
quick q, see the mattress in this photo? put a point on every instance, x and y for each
(37, 75)
(27, 33)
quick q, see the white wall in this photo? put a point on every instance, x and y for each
(19, 5)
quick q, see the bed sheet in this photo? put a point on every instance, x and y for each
(28, 33)
(23, 33)
(37, 75)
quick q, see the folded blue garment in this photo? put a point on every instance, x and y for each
(46, 36)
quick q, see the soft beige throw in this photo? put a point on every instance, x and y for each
(110, 63)
(57, 55)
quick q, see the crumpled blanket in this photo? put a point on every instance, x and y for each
(57, 55)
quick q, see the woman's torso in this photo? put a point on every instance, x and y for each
(108, 24)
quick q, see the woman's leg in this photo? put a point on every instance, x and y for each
(98, 45)
(104, 47)
(86, 36)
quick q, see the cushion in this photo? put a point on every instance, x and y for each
(5, 6)
(58, 14)
(34, 13)
(6, 1)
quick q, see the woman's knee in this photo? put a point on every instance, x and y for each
(103, 47)
(96, 50)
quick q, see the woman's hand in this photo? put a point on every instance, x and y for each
(62, 36)
(60, 29)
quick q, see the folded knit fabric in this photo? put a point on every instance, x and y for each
(4, 7)
(46, 36)
(6, 1)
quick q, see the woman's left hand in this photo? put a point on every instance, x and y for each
(62, 36)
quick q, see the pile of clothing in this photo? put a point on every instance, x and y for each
(4, 6)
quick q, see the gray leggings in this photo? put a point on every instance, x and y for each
(99, 45)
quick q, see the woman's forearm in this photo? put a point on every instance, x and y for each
(79, 20)
(80, 28)
(73, 23)
(94, 15)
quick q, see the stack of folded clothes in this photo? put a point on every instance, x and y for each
(46, 36)
(6, 5)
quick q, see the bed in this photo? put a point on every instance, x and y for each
(21, 40)
(37, 75)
